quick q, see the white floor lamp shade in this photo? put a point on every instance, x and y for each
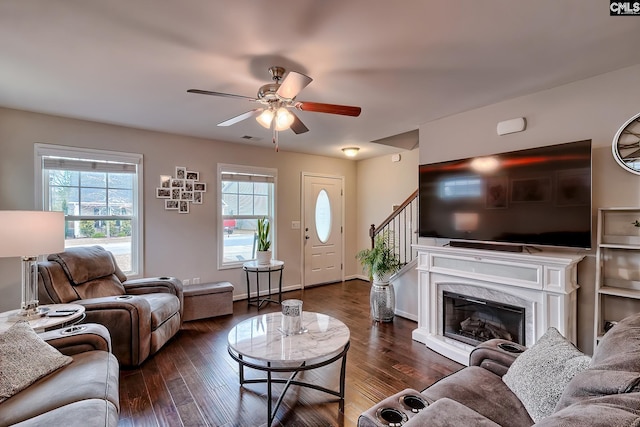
(28, 234)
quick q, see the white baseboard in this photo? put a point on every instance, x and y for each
(406, 315)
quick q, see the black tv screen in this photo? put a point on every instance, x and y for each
(539, 196)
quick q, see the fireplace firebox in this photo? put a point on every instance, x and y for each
(474, 320)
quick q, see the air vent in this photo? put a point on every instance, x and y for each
(251, 138)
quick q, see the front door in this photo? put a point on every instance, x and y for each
(322, 229)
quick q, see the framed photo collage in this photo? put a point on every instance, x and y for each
(181, 190)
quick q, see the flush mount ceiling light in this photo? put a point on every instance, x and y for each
(350, 151)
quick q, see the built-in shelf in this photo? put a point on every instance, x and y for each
(617, 266)
(619, 292)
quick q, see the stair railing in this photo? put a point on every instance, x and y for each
(402, 227)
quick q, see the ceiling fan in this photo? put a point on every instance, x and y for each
(277, 99)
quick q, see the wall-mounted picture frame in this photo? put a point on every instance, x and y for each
(195, 176)
(175, 193)
(165, 181)
(197, 197)
(186, 195)
(177, 183)
(171, 204)
(181, 172)
(200, 186)
(183, 206)
(497, 192)
(163, 193)
(188, 185)
(530, 190)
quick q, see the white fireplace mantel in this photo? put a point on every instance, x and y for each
(544, 283)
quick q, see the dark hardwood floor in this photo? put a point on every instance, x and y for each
(193, 381)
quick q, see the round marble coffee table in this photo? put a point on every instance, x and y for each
(257, 343)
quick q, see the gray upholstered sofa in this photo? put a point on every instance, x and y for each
(82, 393)
(140, 314)
(506, 388)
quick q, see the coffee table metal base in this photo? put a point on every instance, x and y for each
(269, 380)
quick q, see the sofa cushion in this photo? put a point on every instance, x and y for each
(595, 382)
(605, 411)
(484, 392)
(92, 375)
(88, 412)
(25, 358)
(539, 375)
(619, 349)
(449, 413)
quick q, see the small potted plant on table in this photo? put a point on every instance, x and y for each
(380, 263)
(263, 254)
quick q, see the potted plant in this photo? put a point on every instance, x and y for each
(263, 253)
(380, 263)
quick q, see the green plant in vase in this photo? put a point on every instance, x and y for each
(264, 241)
(380, 262)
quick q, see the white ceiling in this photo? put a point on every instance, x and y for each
(130, 62)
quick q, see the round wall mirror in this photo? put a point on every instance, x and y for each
(626, 145)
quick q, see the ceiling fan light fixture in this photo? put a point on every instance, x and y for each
(284, 119)
(265, 118)
(350, 151)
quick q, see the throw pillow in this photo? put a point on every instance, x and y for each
(25, 358)
(540, 374)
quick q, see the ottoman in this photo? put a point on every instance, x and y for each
(207, 300)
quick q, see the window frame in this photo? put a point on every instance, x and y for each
(42, 150)
(245, 170)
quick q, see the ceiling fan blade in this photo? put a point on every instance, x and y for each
(293, 84)
(297, 126)
(241, 117)
(319, 107)
(226, 95)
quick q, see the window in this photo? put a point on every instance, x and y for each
(99, 193)
(246, 195)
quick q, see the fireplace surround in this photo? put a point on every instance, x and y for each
(542, 284)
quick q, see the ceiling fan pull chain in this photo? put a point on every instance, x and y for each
(275, 138)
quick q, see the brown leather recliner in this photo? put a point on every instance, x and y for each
(140, 314)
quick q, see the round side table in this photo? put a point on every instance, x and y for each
(257, 269)
(57, 316)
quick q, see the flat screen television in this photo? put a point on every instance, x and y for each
(535, 197)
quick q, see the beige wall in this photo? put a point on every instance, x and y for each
(381, 184)
(589, 109)
(179, 245)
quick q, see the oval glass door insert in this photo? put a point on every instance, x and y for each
(323, 216)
